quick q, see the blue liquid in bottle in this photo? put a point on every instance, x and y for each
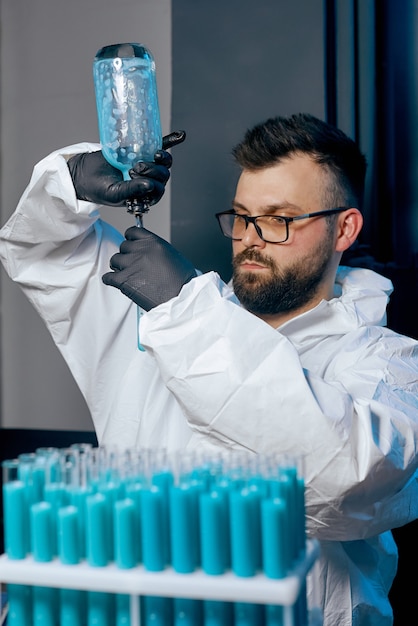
(127, 105)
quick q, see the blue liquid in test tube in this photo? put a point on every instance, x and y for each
(153, 523)
(99, 604)
(163, 479)
(218, 613)
(123, 610)
(45, 599)
(244, 521)
(184, 524)
(71, 607)
(125, 535)
(56, 496)
(133, 492)
(16, 520)
(156, 611)
(274, 615)
(97, 531)
(214, 536)
(72, 601)
(275, 535)
(78, 498)
(20, 605)
(248, 614)
(187, 612)
(99, 608)
(16, 541)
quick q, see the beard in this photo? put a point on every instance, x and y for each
(284, 289)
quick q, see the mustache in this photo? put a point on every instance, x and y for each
(253, 255)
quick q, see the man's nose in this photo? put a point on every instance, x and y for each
(252, 238)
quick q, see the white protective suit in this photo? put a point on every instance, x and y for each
(332, 384)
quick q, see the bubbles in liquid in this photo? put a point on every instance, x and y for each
(127, 105)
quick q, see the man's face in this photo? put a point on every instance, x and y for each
(278, 279)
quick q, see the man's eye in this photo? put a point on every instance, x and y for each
(274, 219)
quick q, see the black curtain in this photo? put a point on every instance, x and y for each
(386, 244)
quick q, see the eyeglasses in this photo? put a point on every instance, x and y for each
(270, 228)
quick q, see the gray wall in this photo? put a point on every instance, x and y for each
(47, 101)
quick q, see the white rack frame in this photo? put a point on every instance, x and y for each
(137, 581)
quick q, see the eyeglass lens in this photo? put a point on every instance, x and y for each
(273, 229)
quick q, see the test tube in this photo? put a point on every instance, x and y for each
(125, 536)
(244, 526)
(99, 604)
(16, 540)
(45, 599)
(72, 601)
(184, 527)
(16, 515)
(214, 531)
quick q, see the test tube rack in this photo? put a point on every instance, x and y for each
(139, 582)
(252, 508)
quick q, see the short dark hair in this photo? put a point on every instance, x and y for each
(282, 137)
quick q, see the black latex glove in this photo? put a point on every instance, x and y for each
(148, 269)
(95, 180)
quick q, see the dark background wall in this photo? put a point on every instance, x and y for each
(234, 64)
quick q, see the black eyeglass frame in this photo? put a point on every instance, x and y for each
(249, 219)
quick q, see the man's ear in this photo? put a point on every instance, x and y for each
(350, 223)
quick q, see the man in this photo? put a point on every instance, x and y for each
(293, 357)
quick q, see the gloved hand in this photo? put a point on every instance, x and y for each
(148, 269)
(95, 180)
